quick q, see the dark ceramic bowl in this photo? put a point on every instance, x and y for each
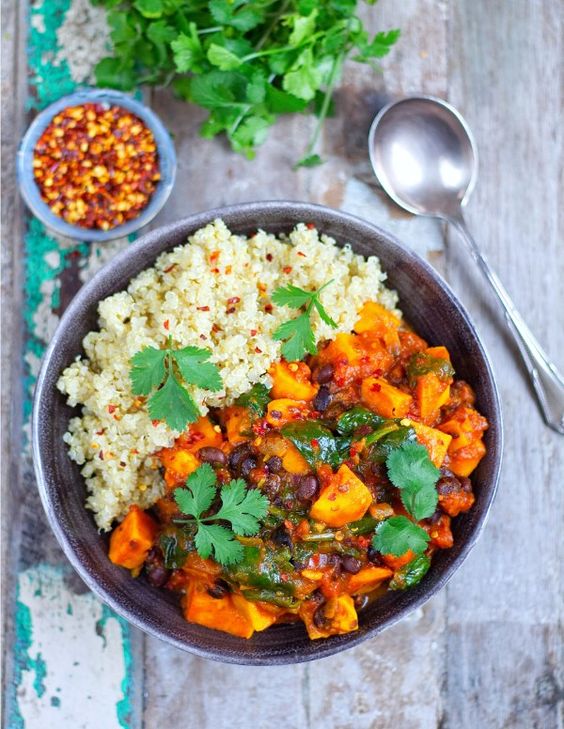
(428, 304)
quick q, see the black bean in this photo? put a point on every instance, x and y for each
(247, 466)
(274, 464)
(208, 454)
(307, 488)
(325, 374)
(319, 618)
(281, 537)
(351, 564)
(322, 399)
(219, 589)
(374, 556)
(361, 601)
(238, 454)
(157, 574)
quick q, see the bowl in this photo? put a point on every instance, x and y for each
(30, 191)
(428, 304)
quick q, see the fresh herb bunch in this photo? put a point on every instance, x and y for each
(411, 471)
(159, 374)
(297, 333)
(246, 62)
(243, 508)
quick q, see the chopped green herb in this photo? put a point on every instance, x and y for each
(158, 373)
(398, 534)
(411, 470)
(422, 363)
(256, 399)
(297, 333)
(316, 443)
(410, 574)
(241, 507)
(245, 62)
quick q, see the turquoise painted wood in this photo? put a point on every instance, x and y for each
(483, 653)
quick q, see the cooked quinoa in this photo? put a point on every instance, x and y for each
(213, 292)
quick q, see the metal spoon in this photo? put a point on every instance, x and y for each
(425, 158)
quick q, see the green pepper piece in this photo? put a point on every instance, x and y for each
(411, 574)
(380, 450)
(422, 363)
(274, 597)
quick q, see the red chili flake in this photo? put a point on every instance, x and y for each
(378, 372)
(100, 432)
(203, 308)
(169, 268)
(269, 256)
(268, 308)
(194, 437)
(215, 270)
(376, 387)
(101, 455)
(364, 359)
(216, 328)
(254, 332)
(112, 408)
(303, 255)
(314, 443)
(122, 464)
(166, 325)
(155, 423)
(310, 226)
(258, 350)
(96, 166)
(287, 269)
(363, 542)
(214, 256)
(231, 310)
(203, 336)
(233, 300)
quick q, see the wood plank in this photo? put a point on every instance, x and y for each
(505, 604)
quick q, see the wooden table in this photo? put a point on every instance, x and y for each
(484, 653)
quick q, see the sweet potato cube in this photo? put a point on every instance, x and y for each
(178, 464)
(340, 613)
(385, 399)
(464, 461)
(282, 411)
(237, 424)
(294, 462)
(131, 541)
(434, 440)
(343, 499)
(201, 433)
(260, 615)
(373, 315)
(438, 352)
(343, 346)
(396, 563)
(367, 579)
(292, 380)
(431, 394)
(217, 613)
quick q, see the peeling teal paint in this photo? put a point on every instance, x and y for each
(40, 672)
(55, 701)
(69, 609)
(22, 645)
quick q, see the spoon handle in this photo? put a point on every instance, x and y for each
(547, 382)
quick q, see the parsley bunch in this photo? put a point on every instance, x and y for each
(297, 333)
(159, 373)
(242, 508)
(410, 469)
(246, 62)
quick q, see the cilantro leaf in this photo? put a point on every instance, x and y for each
(297, 333)
(219, 542)
(242, 507)
(188, 52)
(173, 404)
(148, 370)
(223, 58)
(199, 493)
(298, 337)
(397, 535)
(149, 8)
(310, 160)
(411, 470)
(195, 368)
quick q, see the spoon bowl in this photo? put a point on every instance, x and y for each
(424, 155)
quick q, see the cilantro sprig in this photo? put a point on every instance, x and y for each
(297, 333)
(158, 373)
(411, 471)
(241, 507)
(245, 62)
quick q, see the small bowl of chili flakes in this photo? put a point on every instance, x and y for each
(96, 165)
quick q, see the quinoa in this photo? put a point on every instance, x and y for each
(213, 292)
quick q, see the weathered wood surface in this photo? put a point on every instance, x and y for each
(485, 652)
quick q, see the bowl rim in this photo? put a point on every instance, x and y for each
(300, 211)
(30, 191)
